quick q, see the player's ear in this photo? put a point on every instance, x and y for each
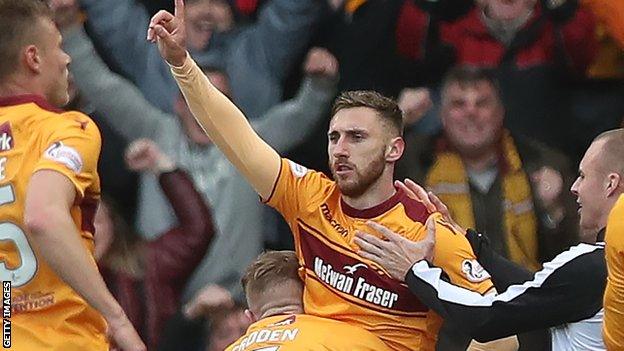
(395, 149)
(32, 58)
(615, 181)
(252, 318)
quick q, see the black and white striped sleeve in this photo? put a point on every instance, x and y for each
(567, 289)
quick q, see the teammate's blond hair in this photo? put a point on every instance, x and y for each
(270, 269)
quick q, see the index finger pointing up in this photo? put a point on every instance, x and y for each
(179, 9)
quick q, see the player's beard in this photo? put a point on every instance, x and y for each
(362, 178)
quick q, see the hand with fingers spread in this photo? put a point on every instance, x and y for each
(394, 253)
(168, 31)
(430, 200)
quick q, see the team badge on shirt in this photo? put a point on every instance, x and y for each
(474, 271)
(65, 155)
(298, 170)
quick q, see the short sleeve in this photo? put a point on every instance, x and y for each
(454, 255)
(72, 148)
(297, 188)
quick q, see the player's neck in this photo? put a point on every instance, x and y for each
(282, 310)
(12, 88)
(380, 191)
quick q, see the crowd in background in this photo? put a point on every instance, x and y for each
(529, 84)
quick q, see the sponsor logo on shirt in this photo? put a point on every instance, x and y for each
(334, 223)
(358, 282)
(474, 271)
(65, 155)
(355, 286)
(6, 137)
(32, 301)
(352, 269)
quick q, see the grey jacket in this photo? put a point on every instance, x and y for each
(256, 58)
(237, 212)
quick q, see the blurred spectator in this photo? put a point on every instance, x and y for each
(609, 13)
(360, 33)
(226, 317)
(486, 166)
(609, 62)
(147, 278)
(596, 104)
(256, 58)
(512, 188)
(238, 240)
(534, 48)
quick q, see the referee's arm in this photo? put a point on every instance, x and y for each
(568, 289)
(502, 271)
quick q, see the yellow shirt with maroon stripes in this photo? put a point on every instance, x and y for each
(305, 332)
(341, 285)
(47, 314)
(613, 327)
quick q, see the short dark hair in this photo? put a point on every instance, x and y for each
(17, 19)
(467, 76)
(270, 269)
(385, 107)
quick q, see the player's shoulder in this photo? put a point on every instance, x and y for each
(299, 171)
(618, 210)
(315, 182)
(80, 121)
(65, 124)
(322, 323)
(413, 209)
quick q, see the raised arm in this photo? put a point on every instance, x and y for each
(224, 123)
(282, 34)
(301, 114)
(119, 27)
(176, 253)
(116, 98)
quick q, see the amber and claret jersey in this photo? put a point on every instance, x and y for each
(341, 285)
(305, 332)
(46, 314)
(613, 327)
